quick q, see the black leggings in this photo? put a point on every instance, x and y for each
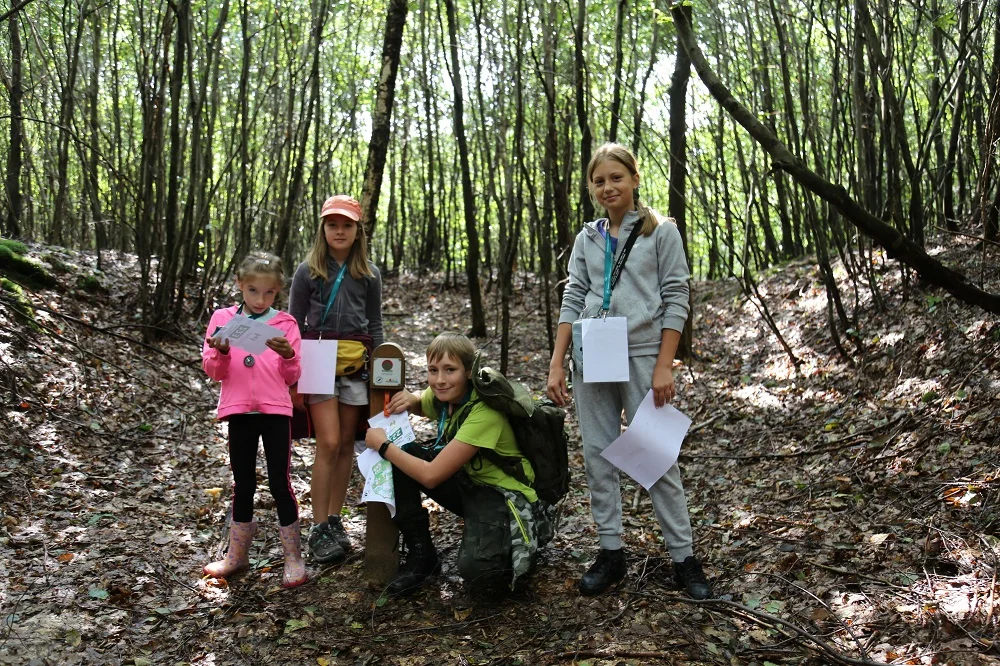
(244, 432)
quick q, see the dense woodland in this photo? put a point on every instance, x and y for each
(188, 132)
(832, 165)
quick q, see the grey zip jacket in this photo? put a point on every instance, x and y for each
(652, 290)
(357, 308)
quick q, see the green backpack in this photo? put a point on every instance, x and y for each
(539, 428)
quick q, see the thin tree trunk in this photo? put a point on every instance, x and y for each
(640, 106)
(170, 257)
(616, 88)
(15, 160)
(677, 206)
(582, 115)
(478, 324)
(392, 43)
(66, 108)
(291, 205)
(430, 256)
(100, 226)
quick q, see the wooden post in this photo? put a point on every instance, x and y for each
(388, 375)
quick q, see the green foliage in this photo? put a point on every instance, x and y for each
(24, 312)
(24, 269)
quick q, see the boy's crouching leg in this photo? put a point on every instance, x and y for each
(484, 557)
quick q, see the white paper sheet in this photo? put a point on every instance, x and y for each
(605, 349)
(651, 444)
(319, 366)
(248, 334)
(397, 427)
(378, 480)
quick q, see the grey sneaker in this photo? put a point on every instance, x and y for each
(323, 545)
(336, 528)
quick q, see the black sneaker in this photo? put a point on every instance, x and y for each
(336, 528)
(689, 575)
(323, 545)
(607, 569)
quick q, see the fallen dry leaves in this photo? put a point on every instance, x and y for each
(845, 509)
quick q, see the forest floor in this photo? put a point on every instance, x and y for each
(847, 511)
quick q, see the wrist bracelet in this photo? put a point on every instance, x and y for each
(385, 447)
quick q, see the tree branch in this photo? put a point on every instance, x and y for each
(13, 10)
(895, 244)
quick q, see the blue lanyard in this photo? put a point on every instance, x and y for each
(333, 292)
(608, 256)
(443, 416)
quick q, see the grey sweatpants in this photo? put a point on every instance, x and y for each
(599, 408)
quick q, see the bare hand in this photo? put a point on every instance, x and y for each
(663, 385)
(220, 345)
(555, 388)
(402, 401)
(281, 346)
(375, 438)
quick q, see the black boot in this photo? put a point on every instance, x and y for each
(607, 569)
(420, 563)
(689, 575)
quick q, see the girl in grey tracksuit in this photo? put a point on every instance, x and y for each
(652, 294)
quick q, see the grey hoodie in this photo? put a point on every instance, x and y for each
(652, 290)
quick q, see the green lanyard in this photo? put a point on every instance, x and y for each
(333, 292)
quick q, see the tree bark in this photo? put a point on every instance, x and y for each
(291, 205)
(478, 324)
(66, 108)
(392, 43)
(677, 197)
(582, 116)
(616, 87)
(15, 156)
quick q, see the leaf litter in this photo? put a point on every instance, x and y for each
(845, 510)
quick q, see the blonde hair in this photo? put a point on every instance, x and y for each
(455, 345)
(357, 260)
(619, 153)
(261, 263)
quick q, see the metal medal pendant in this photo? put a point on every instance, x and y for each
(249, 361)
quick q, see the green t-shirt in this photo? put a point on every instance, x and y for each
(486, 428)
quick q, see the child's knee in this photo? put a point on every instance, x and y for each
(328, 447)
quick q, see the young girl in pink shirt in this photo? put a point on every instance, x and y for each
(255, 401)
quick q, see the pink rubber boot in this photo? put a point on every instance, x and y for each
(291, 543)
(237, 557)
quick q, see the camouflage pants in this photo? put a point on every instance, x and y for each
(503, 531)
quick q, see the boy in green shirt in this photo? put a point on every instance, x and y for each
(499, 539)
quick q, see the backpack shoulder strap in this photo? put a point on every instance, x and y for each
(457, 419)
(510, 465)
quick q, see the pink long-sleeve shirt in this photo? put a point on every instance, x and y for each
(263, 387)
